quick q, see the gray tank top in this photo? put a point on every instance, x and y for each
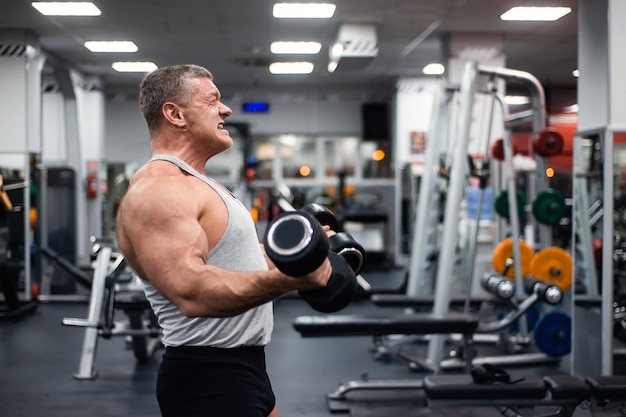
(238, 250)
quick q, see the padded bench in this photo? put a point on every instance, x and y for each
(421, 303)
(372, 325)
(463, 387)
(608, 388)
(605, 393)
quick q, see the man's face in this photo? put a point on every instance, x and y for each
(205, 115)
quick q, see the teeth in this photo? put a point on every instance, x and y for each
(220, 126)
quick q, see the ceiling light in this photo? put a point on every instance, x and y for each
(304, 10)
(111, 46)
(291, 67)
(546, 14)
(576, 73)
(68, 8)
(134, 66)
(295, 47)
(434, 68)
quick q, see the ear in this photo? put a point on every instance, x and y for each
(173, 114)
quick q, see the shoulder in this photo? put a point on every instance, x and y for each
(158, 189)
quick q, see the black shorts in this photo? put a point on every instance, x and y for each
(205, 381)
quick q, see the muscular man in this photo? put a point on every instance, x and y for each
(195, 246)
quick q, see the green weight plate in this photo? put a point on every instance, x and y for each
(501, 204)
(549, 207)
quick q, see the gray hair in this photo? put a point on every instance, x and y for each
(163, 85)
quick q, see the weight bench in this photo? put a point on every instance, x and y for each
(419, 303)
(562, 393)
(373, 325)
(380, 326)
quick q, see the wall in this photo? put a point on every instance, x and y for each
(127, 140)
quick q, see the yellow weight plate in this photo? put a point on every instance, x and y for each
(554, 265)
(504, 251)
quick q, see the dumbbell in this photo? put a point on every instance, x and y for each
(341, 243)
(297, 244)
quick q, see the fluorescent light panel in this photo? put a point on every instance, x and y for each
(304, 10)
(295, 47)
(68, 8)
(111, 46)
(545, 14)
(134, 66)
(291, 67)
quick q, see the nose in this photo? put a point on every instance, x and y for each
(225, 110)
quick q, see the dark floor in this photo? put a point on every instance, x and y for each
(38, 357)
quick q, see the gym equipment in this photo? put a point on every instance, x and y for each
(322, 214)
(342, 242)
(108, 293)
(548, 142)
(553, 264)
(12, 308)
(604, 395)
(549, 207)
(496, 284)
(468, 325)
(503, 258)
(501, 204)
(297, 244)
(496, 150)
(553, 333)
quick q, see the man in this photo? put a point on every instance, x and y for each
(195, 246)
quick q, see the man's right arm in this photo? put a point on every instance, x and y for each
(159, 229)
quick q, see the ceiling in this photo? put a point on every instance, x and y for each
(232, 38)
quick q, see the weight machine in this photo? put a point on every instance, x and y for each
(11, 263)
(115, 288)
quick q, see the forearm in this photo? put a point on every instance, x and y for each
(223, 293)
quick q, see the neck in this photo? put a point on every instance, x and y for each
(180, 148)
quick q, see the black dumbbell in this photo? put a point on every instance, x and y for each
(323, 215)
(345, 245)
(297, 244)
(341, 242)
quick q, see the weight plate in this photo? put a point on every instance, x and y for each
(496, 150)
(554, 265)
(553, 333)
(548, 142)
(504, 251)
(549, 207)
(501, 204)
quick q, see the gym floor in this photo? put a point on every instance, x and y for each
(38, 357)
